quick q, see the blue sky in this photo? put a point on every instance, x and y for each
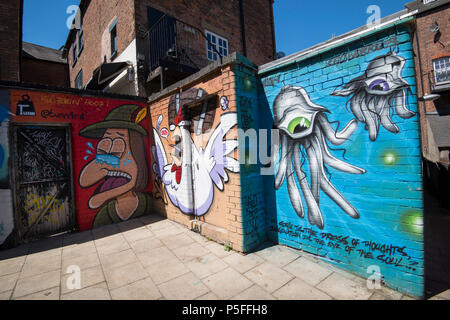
(299, 23)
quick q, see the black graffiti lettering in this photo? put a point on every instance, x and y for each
(390, 260)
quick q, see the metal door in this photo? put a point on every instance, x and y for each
(43, 180)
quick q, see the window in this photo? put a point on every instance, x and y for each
(442, 70)
(79, 80)
(80, 39)
(113, 33)
(220, 43)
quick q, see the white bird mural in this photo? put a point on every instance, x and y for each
(190, 177)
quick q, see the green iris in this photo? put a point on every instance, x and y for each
(298, 125)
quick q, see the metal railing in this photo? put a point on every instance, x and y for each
(178, 42)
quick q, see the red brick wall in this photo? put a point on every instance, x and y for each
(97, 19)
(45, 72)
(223, 18)
(427, 50)
(10, 19)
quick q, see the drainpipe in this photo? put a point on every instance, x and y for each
(273, 29)
(244, 41)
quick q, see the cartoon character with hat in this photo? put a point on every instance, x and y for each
(120, 166)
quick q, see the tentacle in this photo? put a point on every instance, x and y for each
(331, 191)
(371, 120)
(356, 108)
(400, 105)
(337, 138)
(386, 120)
(315, 160)
(293, 191)
(314, 213)
(332, 161)
(281, 175)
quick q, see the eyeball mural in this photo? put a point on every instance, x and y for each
(374, 95)
(188, 173)
(304, 127)
(119, 167)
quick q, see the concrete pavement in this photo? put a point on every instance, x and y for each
(154, 259)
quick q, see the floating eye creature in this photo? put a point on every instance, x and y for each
(380, 89)
(303, 127)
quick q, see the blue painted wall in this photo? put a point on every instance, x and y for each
(388, 197)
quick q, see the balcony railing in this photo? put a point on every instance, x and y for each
(175, 46)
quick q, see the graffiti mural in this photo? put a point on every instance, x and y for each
(379, 90)
(120, 166)
(193, 166)
(305, 130)
(357, 104)
(110, 155)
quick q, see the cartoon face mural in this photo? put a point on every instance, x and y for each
(380, 89)
(304, 126)
(120, 166)
(190, 166)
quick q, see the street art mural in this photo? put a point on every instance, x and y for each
(6, 212)
(379, 90)
(305, 130)
(193, 166)
(120, 166)
(110, 154)
(353, 104)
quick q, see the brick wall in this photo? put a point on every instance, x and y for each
(353, 197)
(97, 19)
(219, 217)
(45, 72)
(222, 18)
(10, 29)
(428, 50)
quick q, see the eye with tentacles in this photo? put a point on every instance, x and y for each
(305, 128)
(373, 95)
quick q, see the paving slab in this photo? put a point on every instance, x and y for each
(254, 293)
(191, 252)
(83, 262)
(141, 290)
(167, 270)
(278, 255)
(217, 249)
(206, 266)
(7, 283)
(155, 256)
(300, 290)
(11, 266)
(186, 287)
(310, 272)
(5, 295)
(78, 250)
(49, 294)
(125, 275)
(97, 292)
(146, 244)
(342, 288)
(37, 264)
(243, 263)
(88, 277)
(177, 241)
(208, 297)
(269, 277)
(138, 234)
(118, 259)
(227, 283)
(34, 284)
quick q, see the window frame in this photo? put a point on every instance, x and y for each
(224, 51)
(112, 28)
(74, 52)
(80, 35)
(446, 69)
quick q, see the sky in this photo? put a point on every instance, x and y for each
(299, 24)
